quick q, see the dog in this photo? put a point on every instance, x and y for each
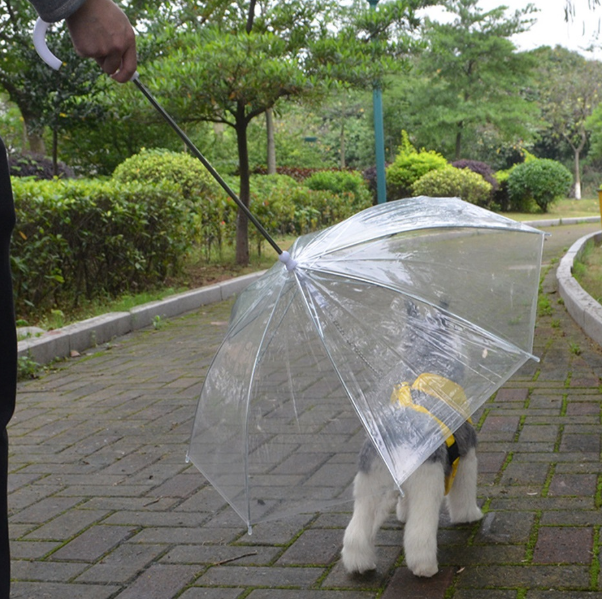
(448, 476)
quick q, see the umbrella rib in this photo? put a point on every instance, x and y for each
(487, 334)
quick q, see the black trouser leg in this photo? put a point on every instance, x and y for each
(8, 361)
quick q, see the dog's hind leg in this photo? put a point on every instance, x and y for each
(401, 510)
(424, 495)
(374, 496)
(462, 499)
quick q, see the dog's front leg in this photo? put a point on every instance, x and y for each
(424, 494)
(374, 498)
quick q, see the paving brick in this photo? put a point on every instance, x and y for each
(542, 577)
(45, 571)
(505, 527)
(66, 525)
(246, 576)
(93, 543)
(49, 590)
(199, 593)
(573, 484)
(314, 547)
(160, 582)
(405, 584)
(308, 594)
(564, 545)
(122, 564)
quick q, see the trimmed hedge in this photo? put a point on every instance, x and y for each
(84, 239)
(454, 182)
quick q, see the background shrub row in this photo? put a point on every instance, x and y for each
(82, 240)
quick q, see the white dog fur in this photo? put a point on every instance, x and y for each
(375, 496)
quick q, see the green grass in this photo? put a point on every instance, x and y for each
(562, 209)
(587, 269)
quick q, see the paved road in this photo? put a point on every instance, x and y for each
(103, 505)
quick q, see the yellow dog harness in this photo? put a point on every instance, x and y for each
(446, 391)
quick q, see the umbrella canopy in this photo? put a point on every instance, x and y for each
(431, 292)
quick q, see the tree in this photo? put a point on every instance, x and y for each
(233, 62)
(40, 93)
(568, 89)
(468, 78)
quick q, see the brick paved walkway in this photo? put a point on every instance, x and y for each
(104, 506)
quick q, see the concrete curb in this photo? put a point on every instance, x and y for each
(83, 335)
(583, 308)
(557, 222)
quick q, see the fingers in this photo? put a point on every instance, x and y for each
(101, 30)
(128, 66)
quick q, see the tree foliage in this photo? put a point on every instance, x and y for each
(231, 69)
(45, 98)
(467, 80)
(568, 89)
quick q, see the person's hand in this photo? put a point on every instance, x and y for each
(100, 30)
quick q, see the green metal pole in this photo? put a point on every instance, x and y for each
(379, 136)
(379, 140)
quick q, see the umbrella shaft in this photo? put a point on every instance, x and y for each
(206, 164)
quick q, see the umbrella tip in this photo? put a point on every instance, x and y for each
(288, 261)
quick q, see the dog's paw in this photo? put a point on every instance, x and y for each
(358, 561)
(425, 569)
(465, 516)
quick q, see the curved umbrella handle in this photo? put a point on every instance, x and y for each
(39, 42)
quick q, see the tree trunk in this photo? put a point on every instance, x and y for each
(269, 126)
(342, 144)
(459, 142)
(33, 133)
(55, 152)
(577, 188)
(242, 226)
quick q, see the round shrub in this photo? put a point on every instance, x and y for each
(481, 168)
(156, 166)
(541, 181)
(340, 182)
(206, 202)
(452, 182)
(409, 168)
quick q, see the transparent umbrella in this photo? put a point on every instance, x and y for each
(430, 293)
(425, 291)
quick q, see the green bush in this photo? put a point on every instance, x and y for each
(156, 166)
(85, 240)
(207, 200)
(451, 182)
(339, 182)
(409, 168)
(541, 181)
(263, 185)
